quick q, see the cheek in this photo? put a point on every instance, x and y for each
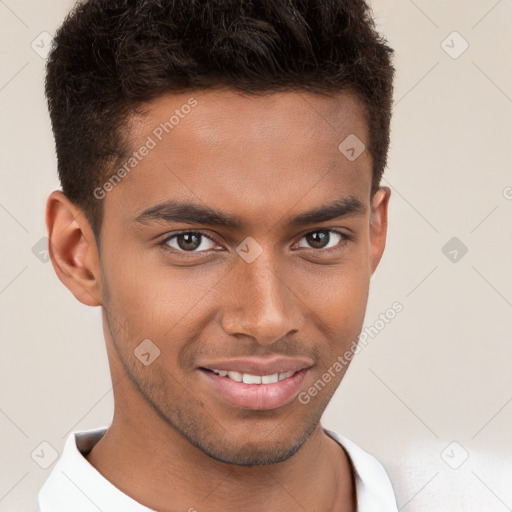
(146, 288)
(157, 302)
(337, 293)
(336, 299)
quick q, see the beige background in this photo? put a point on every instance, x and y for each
(439, 372)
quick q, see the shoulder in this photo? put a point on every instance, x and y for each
(373, 485)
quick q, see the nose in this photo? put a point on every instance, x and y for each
(261, 302)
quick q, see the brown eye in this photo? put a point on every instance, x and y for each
(189, 241)
(323, 238)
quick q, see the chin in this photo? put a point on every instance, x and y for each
(249, 454)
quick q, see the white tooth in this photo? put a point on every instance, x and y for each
(235, 376)
(248, 378)
(251, 379)
(270, 379)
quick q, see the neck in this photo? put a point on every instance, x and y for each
(151, 462)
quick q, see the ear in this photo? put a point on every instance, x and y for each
(73, 249)
(378, 225)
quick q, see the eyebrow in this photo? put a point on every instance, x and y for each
(190, 213)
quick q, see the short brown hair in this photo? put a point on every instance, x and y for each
(110, 56)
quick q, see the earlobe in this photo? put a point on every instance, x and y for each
(73, 249)
(378, 226)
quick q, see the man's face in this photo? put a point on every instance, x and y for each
(264, 296)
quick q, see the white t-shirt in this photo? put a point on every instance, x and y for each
(74, 484)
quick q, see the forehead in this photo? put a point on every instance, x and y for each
(240, 152)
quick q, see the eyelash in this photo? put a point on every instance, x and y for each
(164, 243)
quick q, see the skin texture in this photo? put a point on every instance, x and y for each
(174, 443)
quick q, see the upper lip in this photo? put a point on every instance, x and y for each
(259, 366)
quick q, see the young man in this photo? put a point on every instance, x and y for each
(220, 164)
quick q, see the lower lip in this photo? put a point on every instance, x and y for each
(256, 396)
